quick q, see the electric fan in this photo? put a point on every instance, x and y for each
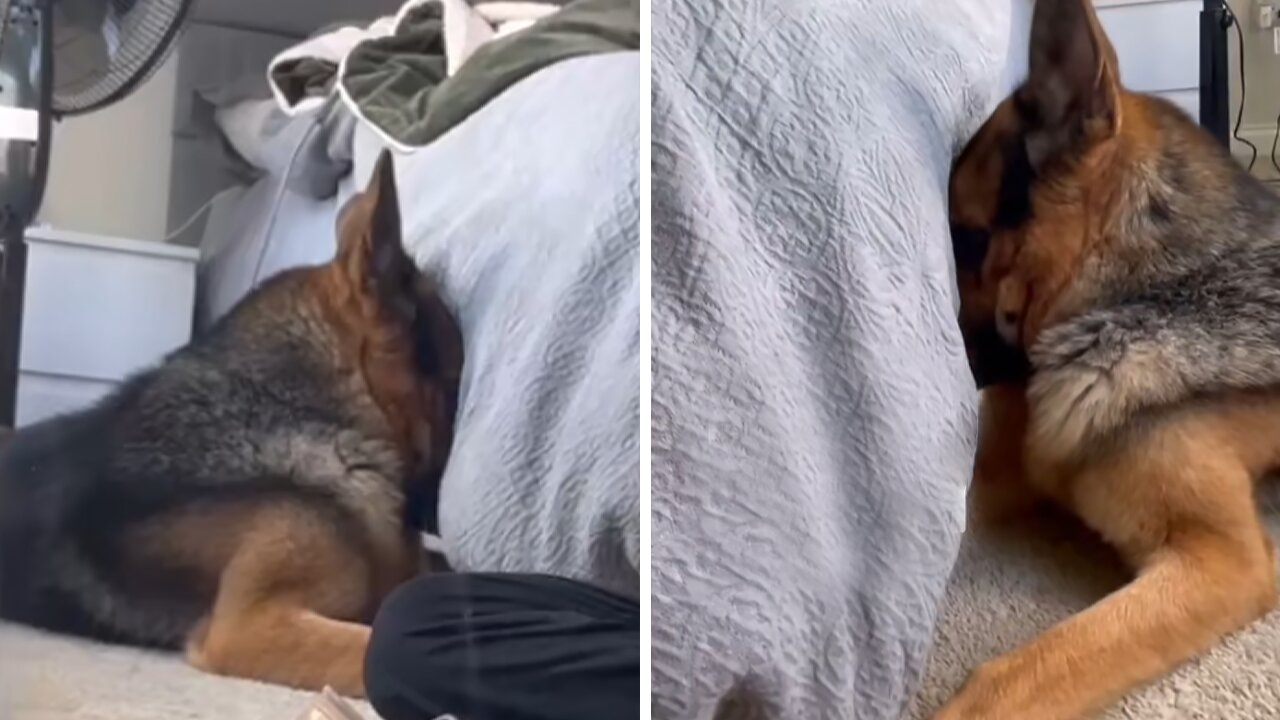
(59, 58)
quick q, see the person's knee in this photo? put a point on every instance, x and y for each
(392, 666)
(405, 661)
(383, 663)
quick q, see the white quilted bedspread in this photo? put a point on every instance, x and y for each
(813, 414)
(529, 214)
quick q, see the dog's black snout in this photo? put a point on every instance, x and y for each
(969, 245)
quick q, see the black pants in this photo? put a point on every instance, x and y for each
(504, 647)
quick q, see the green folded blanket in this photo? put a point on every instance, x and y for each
(399, 83)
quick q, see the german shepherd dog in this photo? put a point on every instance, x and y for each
(248, 498)
(1120, 301)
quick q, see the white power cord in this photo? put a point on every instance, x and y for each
(196, 215)
(275, 206)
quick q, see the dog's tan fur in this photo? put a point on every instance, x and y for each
(1177, 501)
(283, 591)
(1173, 490)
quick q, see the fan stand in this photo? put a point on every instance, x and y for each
(13, 275)
(27, 18)
(1215, 106)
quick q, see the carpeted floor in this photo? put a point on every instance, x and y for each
(44, 677)
(1004, 590)
(1008, 587)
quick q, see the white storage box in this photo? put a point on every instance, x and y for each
(95, 310)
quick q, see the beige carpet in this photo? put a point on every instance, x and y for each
(1008, 587)
(45, 677)
(1005, 589)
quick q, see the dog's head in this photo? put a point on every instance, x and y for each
(400, 333)
(1032, 190)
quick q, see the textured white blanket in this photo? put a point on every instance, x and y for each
(529, 212)
(813, 413)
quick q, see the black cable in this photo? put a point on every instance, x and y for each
(1275, 139)
(1233, 20)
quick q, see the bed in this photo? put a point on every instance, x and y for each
(523, 207)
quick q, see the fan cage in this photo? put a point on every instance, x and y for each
(143, 33)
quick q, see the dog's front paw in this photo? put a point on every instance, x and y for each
(966, 705)
(996, 690)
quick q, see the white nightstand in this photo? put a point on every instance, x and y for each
(96, 309)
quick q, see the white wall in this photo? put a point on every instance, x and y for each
(1158, 42)
(1158, 45)
(109, 173)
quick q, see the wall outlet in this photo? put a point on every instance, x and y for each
(1266, 16)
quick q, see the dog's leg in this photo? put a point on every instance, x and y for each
(284, 606)
(1178, 503)
(999, 491)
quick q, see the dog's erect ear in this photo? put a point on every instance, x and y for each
(388, 258)
(1071, 99)
(370, 244)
